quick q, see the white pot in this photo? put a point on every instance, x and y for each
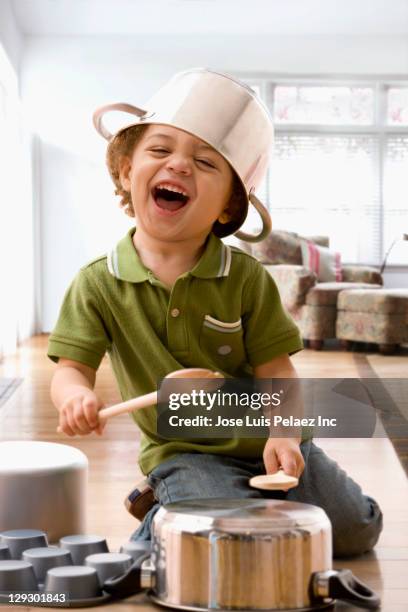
(43, 486)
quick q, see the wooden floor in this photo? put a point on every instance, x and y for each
(29, 415)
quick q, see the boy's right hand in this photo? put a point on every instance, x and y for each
(78, 415)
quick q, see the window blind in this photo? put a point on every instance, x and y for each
(328, 184)
(396, 197)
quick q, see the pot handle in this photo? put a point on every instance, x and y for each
(129, 583)
(342, 584)
(118, 106)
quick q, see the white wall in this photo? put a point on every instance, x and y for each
(396, 277)
(65, 79)
(10, 36)
(18, 305)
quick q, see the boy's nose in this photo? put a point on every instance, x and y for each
(179, 164)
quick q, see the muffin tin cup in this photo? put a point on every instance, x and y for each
(136, 548)
(70, 575)
(81, 546)
(19, 540)
(4, 552)
(78, 582)
(108, 565)
(43, 559)
(17, 575)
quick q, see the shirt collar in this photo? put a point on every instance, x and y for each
(125, 264)
(215, 262)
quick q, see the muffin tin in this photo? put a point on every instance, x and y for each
(70, 575)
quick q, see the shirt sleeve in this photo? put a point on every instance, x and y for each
(269, 330)
(81, 332)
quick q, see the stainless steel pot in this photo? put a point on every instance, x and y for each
(249, 554)
(220, 110)
(43, 486)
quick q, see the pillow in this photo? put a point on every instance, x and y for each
(325, 263)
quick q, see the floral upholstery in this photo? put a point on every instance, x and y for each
(281, 247)
(312, 305)
(325, 294)
(361, 274)
(379, 317)
(293, 283)
(392, 301)
(315, 322)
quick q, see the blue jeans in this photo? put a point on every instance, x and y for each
(356, 518)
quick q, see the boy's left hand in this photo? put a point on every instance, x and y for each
(283, 453)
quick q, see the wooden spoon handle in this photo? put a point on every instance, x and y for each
(129, 406)
(151, 398)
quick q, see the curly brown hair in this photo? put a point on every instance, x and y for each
(123, 145)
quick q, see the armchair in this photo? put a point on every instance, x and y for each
(312, 304)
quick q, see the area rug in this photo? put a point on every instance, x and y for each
(7, 388)
(390, 399)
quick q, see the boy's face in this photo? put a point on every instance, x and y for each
(179, 185)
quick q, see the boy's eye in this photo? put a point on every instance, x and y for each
(164, 151)
(206, 162)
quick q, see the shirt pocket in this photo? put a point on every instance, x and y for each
(223, 342)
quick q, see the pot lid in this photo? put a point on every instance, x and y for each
(33, 457)
(234, 514)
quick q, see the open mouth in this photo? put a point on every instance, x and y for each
(169, 197)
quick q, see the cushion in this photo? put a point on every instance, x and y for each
(361, 274)
(280, 247)
(326, 264)
(325, 294)
(385, 301)
(372, 327)
(293, 283)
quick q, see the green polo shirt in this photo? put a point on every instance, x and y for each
(225, 314)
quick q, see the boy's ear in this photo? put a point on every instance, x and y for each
(224, 217)
(124, 173)
(228, 212)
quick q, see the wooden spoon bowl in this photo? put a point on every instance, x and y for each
(274, 482)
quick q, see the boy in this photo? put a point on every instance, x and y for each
(172, 295)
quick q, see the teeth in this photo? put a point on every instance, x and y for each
(171, 188)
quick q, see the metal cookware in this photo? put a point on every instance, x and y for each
(246, 554)
(42, 487)
(220, 110)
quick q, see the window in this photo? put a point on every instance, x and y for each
(326, 184)
(340, 164)
(327, 105)
(397, 106)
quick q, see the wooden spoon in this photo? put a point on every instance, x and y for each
(151, 398)
(274, 482)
